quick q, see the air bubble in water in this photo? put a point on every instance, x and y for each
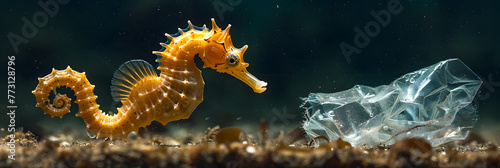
(132, 135)
(412, 80)
(330, 113)
(385, 127)
(90, 134)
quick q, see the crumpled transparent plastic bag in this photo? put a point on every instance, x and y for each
(433, 103)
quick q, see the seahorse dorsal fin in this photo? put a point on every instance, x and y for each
(129, 74)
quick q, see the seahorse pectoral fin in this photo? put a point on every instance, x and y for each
(257, 85)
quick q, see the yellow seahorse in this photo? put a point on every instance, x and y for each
(146, 96)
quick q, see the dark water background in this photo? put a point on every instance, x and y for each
(293, 45)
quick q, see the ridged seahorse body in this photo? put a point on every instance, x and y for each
(173, 95)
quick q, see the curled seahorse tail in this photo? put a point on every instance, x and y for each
(61, 104)
(101, 124)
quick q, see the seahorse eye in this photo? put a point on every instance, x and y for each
(232, 60)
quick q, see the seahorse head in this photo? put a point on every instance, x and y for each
(220, 54)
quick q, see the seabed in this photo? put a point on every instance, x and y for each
(232, 147)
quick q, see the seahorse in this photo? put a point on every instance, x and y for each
(145, 96)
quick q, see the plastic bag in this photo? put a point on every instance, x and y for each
(433, 103)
